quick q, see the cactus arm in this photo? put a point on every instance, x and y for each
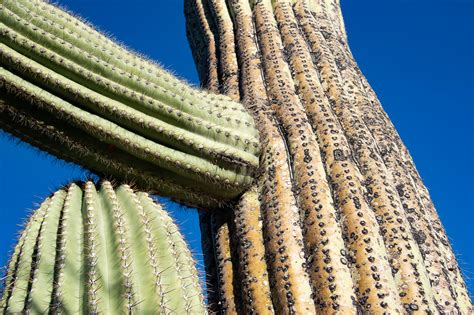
(86, 122)
(141, 105)
(162, 130)
(90, 152)
(85, 36)
(148, 114)
(43, 281)
(41, 133)
(96, 55)
(160, 155)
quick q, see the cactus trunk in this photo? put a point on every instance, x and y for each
(347, 223)
(121, 109)
(107, 250)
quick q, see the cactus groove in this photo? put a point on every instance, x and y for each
(104, 250)
(348, 225)
(57, 66)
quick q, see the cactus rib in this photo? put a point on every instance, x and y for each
(370, 238)
(422, 217)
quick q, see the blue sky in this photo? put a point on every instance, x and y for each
(419, 57)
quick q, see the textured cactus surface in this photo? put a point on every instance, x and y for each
(104, 250)
(340, 221)
(71, 91)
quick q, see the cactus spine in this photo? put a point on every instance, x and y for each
(341, 187)
(103, 250)
(76, 81)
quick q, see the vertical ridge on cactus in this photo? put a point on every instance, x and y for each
(371, 237)
(101, 250)
(56, 65)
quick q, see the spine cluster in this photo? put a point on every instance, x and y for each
(88, 100)
(339, 220)
(101, 250)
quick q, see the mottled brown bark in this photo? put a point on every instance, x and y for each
(348, 225)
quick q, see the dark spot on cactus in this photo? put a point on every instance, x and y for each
(339, 155)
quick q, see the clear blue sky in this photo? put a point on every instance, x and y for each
(419, 57)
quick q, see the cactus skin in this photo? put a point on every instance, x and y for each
(107, 250)
(372, 240)
(59, 67)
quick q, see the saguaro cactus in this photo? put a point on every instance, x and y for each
(101, 251)
(71, 91)
(347, 223)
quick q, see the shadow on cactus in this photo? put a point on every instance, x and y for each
(101, 250)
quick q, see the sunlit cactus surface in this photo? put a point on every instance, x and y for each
(101, 250)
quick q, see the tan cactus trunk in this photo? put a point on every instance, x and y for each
(343, 222)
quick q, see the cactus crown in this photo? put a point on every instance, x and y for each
(101, 250)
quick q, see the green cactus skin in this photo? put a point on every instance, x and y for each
(106, 250)
(54, 64)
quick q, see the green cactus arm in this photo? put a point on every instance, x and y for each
(186, 165)
(85, 49)
(40, 129)
(122, 100)
(194, 166)
(75, 32)
(103, 250)
(145, 108)
(162, 130)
